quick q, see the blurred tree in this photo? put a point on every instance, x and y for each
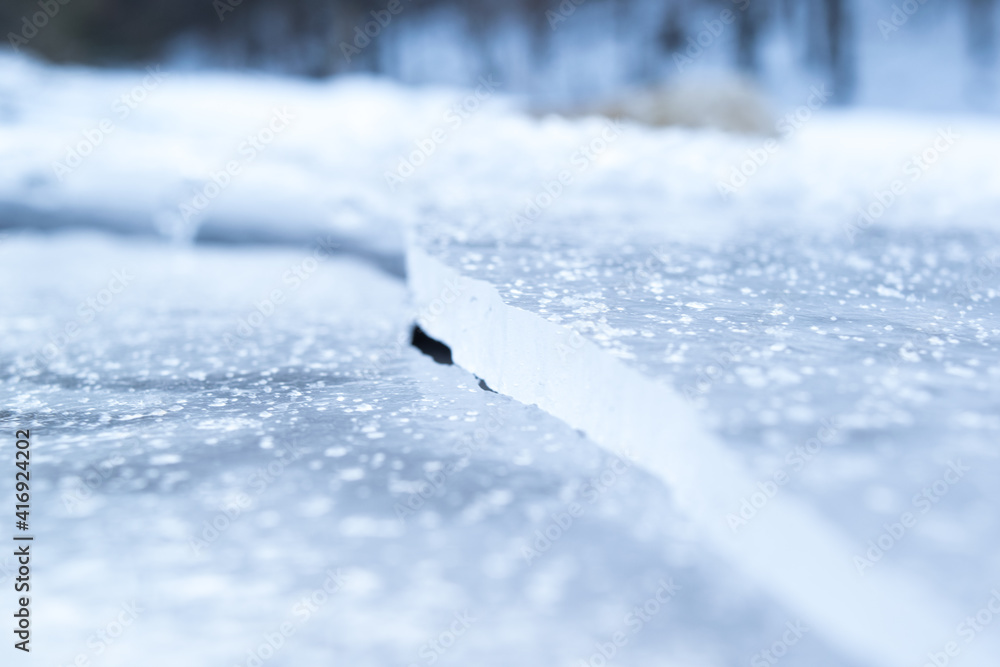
(671, 35)
(307, 36)
(982, 39)
(830, 43)
(749, 22)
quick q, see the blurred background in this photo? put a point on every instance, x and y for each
(923, 54)
(206, 210)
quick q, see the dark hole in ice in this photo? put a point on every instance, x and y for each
(434, 349)
(484, 386)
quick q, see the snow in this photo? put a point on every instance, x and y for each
(343, 164)
(716, 337)
(591, 272)
(597, 381)
(322, 443)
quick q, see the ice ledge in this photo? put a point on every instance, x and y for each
(789, 549)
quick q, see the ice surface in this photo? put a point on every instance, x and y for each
(717, 349)
(148, 427)
(704, 343)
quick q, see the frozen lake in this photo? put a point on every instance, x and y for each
(241, 460)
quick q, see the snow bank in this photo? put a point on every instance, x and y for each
(229, 157)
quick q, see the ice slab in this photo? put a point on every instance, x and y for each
(805, 386)
(204, 495)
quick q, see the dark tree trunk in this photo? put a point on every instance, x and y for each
(982, 31)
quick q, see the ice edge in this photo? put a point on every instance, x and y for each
(789, 549)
